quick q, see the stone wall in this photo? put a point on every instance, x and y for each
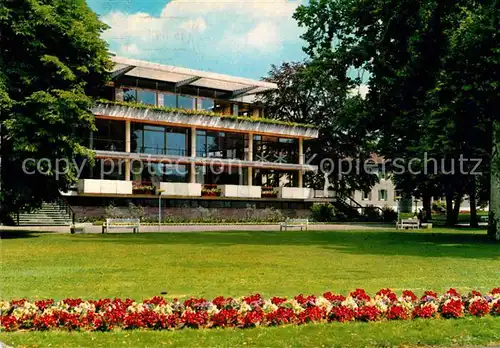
(200, 214)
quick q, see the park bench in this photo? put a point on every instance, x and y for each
(121, 223)
(408, 223)
(302, 223)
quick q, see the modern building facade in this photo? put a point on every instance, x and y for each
(192, 136)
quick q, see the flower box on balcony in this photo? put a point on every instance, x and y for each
(210, 191)
(143, 189)
(269, 192)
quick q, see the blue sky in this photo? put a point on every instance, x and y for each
(237, 37)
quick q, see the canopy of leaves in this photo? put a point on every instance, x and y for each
(52, 63)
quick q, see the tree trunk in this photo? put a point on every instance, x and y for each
(494, 224)
(449, 208)
(456, 208)
(472, 201)
(426, 201)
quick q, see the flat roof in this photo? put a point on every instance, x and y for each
(239, 86)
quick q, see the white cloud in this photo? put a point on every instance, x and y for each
(207, 26)
(129, 50)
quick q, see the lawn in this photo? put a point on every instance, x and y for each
(241, 263)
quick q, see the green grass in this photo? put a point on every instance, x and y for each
(36, 265)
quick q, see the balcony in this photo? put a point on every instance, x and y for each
(94, 186)
(295, 193)
(180, 189)
(240, 191)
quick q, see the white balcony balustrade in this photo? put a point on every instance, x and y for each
(96, 186)
(240, 191)
(180, 189)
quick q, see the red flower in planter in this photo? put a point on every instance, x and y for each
(341, 313)
(220, 302)
(156, 300)
(254, 300)
(42, 304)
(495, 291)
(479, 307)
(366, 313)
(453, 308)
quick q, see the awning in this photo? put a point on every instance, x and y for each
(236, 87)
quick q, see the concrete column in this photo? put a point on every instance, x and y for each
(256, 113)
(250, 158)
(301, 162)
(128, 146)
(192, 170)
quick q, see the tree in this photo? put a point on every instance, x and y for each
(421, 60)
(52, 62)
(310, 92)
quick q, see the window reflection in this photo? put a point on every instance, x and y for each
(220, 144)
(146, 97)
(110, 135)
(159, 140)
(170, 100)
(185, 102)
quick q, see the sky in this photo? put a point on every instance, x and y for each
(236, 37)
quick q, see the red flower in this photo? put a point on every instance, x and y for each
(452, 292)
(225, 318)
(45, 322)
(454, 308)
(360, 295)
(251, 319)
(156, 300)
(281, 316)
(195, 319)
(311, 314)
(43, 304)
(341, 313)
(495, 309)
(254, 300)
(389, 294)
(495, 291)
(306, 300)
(479, 307)
(397, 313)
(366, 313)
(278, 300)
(410, 294)
(8, 323)
(334, 299)
(424, 312)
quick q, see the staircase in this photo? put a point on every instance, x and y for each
(57, 213)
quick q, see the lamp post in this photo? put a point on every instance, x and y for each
(397, 198)
(159, 208)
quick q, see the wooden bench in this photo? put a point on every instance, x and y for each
(121, 223)
(302, 223)
(408, 223)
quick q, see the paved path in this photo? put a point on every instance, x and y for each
(192, 228)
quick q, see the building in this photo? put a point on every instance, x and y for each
(194, 138)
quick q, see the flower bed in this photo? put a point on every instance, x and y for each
(158, 314)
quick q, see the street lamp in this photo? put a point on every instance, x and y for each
(397, 198)
(159, 207)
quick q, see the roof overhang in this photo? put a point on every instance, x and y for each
(184, 76)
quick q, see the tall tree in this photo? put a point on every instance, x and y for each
(310, 92)
(52, 62)
(420, 98)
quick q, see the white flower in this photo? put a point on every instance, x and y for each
(350, 303)
(323, 303)
(269, 307)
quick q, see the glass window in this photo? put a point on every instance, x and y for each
(110, 135)
(185, 102)
(154, 140)
(366, 196)
(205, 104)
(382, 195)
(220, 145)
(170, 100)
(146, 97)
(107, 169)
(274, 149)
(129, 95)
(177, 141)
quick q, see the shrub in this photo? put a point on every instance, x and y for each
(371, 213)
(136, 211)
(389, 214)
(322, 212)
(438, 206)
(113, 212)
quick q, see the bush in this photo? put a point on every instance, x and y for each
(439, 206)
(113, 212)
(323, 212)
(389, 214)
(371, 213)
(136, 211)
